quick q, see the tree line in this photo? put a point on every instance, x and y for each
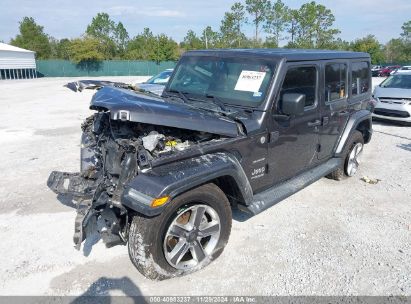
(273, 22)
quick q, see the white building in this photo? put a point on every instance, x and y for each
(16, 63)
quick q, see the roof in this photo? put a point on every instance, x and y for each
(288, 54)
(11, 48)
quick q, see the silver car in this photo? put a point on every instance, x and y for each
(156, 84)
(393, 98)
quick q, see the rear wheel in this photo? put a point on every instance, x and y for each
(191, 232)
(352, 157)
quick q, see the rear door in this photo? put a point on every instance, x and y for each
(294, 140)
(334, 104)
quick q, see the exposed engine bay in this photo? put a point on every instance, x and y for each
(112, 153)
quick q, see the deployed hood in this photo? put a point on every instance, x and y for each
(78, 86)
(392, 92)
(133, 106)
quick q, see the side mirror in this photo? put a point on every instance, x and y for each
(293, 104)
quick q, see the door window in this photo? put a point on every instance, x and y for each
(335, 81)
(360, 78)
(301, 80)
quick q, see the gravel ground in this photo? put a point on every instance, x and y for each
(333, 238)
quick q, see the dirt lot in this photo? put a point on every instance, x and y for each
(333, 238)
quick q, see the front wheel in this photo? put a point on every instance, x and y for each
(191, 232)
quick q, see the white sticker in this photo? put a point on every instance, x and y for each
(250, 81)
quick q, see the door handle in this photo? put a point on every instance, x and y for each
(314, 123)
(343, 113)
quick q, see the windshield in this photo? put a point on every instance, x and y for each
(235, 81)
(397, 81)
(161, 78)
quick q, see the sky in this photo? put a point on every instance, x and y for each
(69, 19)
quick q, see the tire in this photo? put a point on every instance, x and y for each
(149, 249)
(343, 171)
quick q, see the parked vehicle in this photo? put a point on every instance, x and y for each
(404, 69)
(375, 70)
(157, 83)
(154, 85)
(386, 71)
(233, 129)
(393, 98)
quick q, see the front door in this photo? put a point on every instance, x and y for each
(294, 140)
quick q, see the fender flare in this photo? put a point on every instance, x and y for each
(351, 126)
(178, 177)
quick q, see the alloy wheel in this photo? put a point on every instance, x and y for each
(192, 237)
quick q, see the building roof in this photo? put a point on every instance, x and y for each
(288, 54)
(11, 48)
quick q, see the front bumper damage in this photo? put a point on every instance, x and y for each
(127, 137)
(80, 189)
(92, 214)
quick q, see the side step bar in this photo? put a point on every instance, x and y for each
(272, 196)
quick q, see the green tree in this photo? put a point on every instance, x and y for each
(101, 26)
(63, 49)
(371, 45)
(192, 42)
(166, 49)
(141, 47)
(85, 49)
(210, 38)
(113, 37)
(32, 37)
(121, 38)
(397, 51)
(146, 46)
(231, 34)
(339, 44)
(60, 48)
(406, 31)
(257, 9)
(293, 17)
(311, 26)
(277, 20)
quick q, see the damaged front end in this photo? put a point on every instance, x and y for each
(113, 152)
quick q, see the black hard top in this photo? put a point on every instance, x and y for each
(287, 54)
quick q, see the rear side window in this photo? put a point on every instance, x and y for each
(301, 80)
(360, 78)
(335, 81)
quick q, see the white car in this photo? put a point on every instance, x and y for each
(393, 98)
(156, 84)
(404, 69)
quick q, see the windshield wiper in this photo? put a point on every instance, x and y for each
(182, 95)
(218, 102)
(146, 92)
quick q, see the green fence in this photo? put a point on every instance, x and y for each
(66, 68)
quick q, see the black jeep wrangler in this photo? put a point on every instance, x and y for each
(233, 128)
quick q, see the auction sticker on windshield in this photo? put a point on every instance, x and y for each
(250, 81)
